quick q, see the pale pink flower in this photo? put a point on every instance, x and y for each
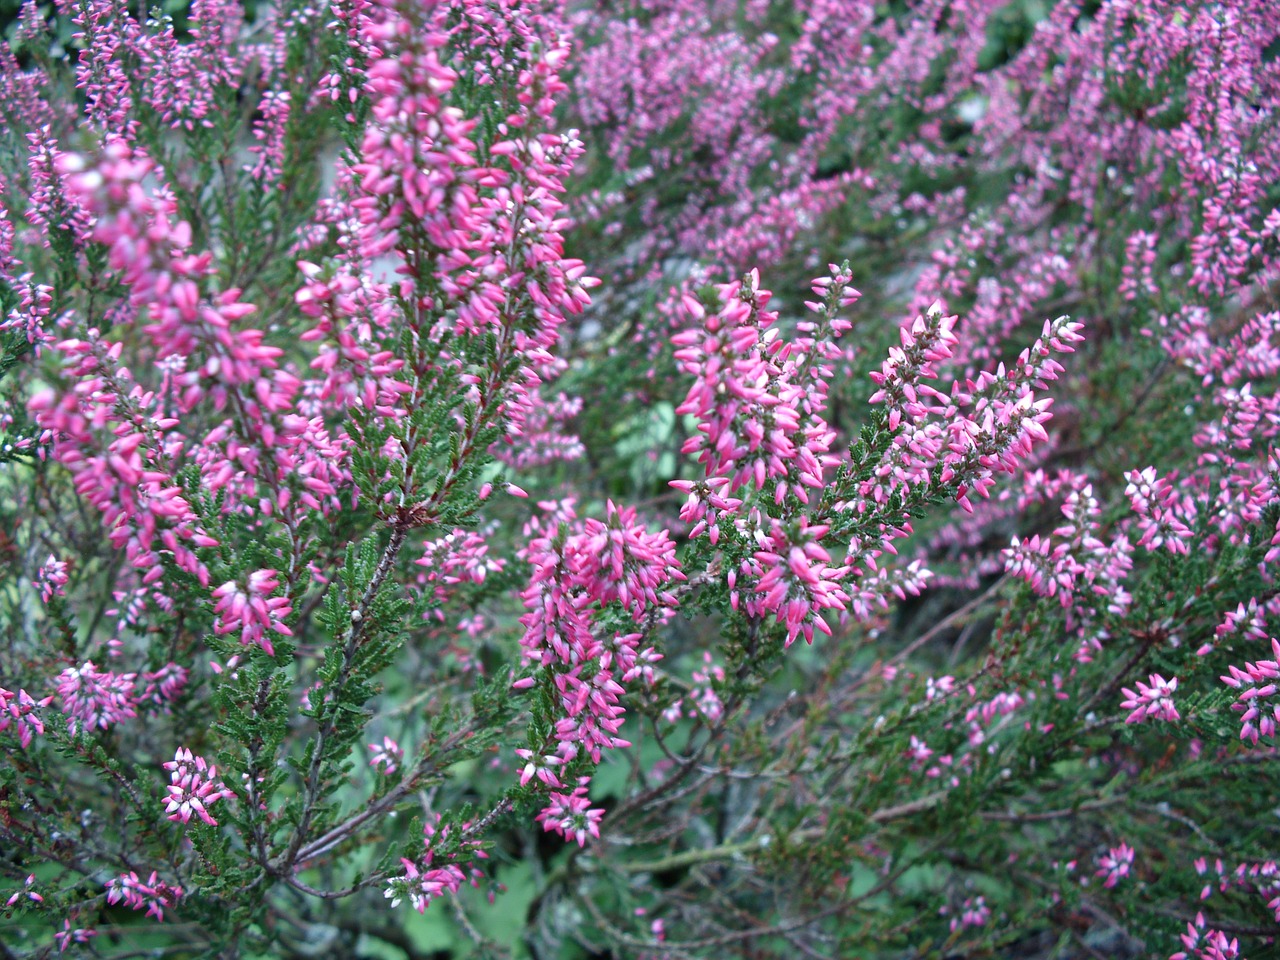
(1115, 864)
(52, 578)
(1152, 700)
(193, 787)
(386, 756)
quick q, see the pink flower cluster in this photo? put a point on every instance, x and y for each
(96, 699)
(21, 711)
(973, 913)
(1258, 685)
(126, 478)
(193, 787)
(1114, 864)
(703, 702)
(571, 814)
(1203, 942)
(460, 557)
(386, 756)
(1261, 878)
(410, 359)
(32, 313)
(152, 254)
(251, 611)
(1075, 564)
(986, 723)
(1153, 700)
(52, 578)
(759, 401)
(425, 879)
(69, 935)
(1163, 510)
(758, 422)
(152, 895)
(476, 228)
(27, 892)
(163, 685)
(575, 575)
(762, 440)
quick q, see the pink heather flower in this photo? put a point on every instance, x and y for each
(758, 399)
(571, 814)
(386, 756)
(1050, 569)
(706, 505)
(1115, 864)
(20, 711)
(1260, 877)
(69, 935)
(164, 685)
(594, 564)
(424, 880)
(252, 610)
(704, 700)
(1204, 943)
(152, 895)
(926, 342)
(1246, 621)
(619, 560)
(234, 661)
(51, 578)
(539, 766)
(421, 887)
(919, 752)
(1257, 682)
(1161, 509)
(32, 311)
(674, 711)
(638, 664)
(193, 787)
(269, 132)
(1140, 255)
(795, 578)
(936, 688)
(974, 913)
(27, 892)
(1153, 700)
(1202, 867)
(456, 558)
(96, 698)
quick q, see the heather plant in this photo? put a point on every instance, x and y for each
(505, 478)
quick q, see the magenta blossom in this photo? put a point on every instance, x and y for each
(1153, 700)
(193, 787)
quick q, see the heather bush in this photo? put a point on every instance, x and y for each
(679, 479)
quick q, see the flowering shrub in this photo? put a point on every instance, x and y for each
(428, 428)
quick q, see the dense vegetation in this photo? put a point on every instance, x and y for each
(683, 478)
